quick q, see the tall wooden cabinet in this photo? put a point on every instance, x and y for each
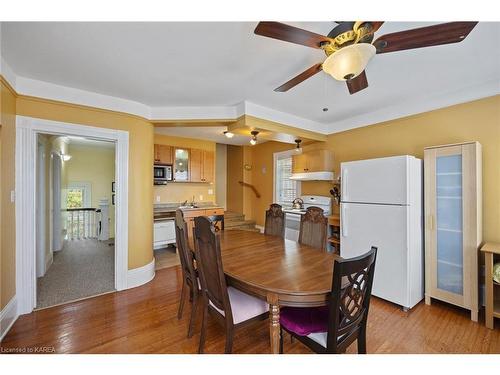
(453, 224)
(202, 165)
(163, 154)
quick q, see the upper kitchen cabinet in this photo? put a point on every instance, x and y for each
(202, 166)
(181, 164)
(163, 154)
(313, 161)
(453, 224)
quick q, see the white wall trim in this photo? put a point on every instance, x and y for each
(412, 106)
(142, 275)
(8, 316)
(260, 228)
(27, 129)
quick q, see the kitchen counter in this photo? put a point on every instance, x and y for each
(165, 210)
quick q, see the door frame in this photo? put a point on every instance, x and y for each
(27, 129)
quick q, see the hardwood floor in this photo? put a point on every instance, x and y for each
(144, 320)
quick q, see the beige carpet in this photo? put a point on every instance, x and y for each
(165, 258)
(83, 268)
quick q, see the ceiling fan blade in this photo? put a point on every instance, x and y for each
(376, 25)
(298, 79)
(290, 34)
(357, 83)
(444, 33)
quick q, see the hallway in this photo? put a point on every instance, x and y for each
(81, 269)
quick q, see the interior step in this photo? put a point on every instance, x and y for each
(236, 220)
(238, 223)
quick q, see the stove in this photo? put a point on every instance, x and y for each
(292, 216)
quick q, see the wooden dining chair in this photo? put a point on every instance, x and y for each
(332, 328)
(189, 272)
(230, 307)
(313, 228)
(275, 221)
(218, 221)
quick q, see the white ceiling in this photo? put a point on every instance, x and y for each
(212, 133)
(224, 63)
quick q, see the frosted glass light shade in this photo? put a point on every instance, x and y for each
(349, 62)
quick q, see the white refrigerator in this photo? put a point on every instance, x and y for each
(381, 205)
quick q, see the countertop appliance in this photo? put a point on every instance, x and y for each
(382, 206)
(292, 215)
(162, 173)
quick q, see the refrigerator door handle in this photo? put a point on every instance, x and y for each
(343, 221)
(344, 184)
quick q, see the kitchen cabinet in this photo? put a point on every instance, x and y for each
(181, 164)
(163, 234)
(313, 161)
(189, 216)
(453, 226)
(163, 154)
(202, 165)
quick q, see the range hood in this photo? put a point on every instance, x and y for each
(312, 176)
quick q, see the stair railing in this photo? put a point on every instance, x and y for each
(83, 223)
(245, 184)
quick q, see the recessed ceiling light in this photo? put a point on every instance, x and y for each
(228, 134)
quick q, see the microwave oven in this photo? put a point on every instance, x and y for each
(162, 173)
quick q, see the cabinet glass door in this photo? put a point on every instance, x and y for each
(449, 223)
(181, 172)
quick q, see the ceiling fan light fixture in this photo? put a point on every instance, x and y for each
(228, 134)
(349, 62)
(298, 148)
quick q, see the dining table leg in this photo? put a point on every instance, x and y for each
(274, 324)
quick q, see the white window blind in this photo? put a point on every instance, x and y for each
(286, 190)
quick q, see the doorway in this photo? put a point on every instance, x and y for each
(77, 213)
(27, 130)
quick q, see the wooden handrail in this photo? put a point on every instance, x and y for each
(251, 187)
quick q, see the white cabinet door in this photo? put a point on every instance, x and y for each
(383, 226)
(383, 180)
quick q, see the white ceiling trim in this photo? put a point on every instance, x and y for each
(418, 105)
(36, 88)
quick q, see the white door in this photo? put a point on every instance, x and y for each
(57, 239)
(382, 180)
(40, 212)
(383, 226)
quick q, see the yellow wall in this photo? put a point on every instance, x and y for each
(94, 164)
(140, 161)
(262, 176)
(8, 241)
(234, 174)
(176, 192)
(478, 120)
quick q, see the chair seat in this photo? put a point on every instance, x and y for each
(304, 321)
(244, 306)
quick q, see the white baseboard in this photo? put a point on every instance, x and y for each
(260, 227)
(8, 316)
(141, 275)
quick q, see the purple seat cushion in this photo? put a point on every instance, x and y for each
(304, 320)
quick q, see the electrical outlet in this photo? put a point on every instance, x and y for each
(158, 199)
(201, 197)
(210, 192)
(12, 196)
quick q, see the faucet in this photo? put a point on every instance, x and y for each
(193, 202)
(184, 203)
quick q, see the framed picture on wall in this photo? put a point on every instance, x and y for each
(113, 187)
(113, 199)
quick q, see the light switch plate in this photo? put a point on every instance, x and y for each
(201, 197)
(12, 196)
(158, 199)
(210, 192)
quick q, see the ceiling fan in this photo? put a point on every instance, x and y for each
(350, 46)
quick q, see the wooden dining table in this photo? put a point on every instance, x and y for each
(279, 271)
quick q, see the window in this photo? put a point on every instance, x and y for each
(78, 195)
(285, 189)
